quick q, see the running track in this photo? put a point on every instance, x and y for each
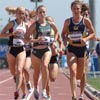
(60, 89)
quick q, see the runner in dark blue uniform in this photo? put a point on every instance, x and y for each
(73, 29)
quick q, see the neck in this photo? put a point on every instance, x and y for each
(42, 22)
(77, 18)
(19, 21)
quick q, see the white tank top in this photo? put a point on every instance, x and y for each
(20, 31)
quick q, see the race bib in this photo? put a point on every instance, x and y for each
(75, 37)
(51, 39)
(18, 42)
(46, 39)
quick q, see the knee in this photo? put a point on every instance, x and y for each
(73, 73)
(79, 76)
(19, 71)
(45, 66)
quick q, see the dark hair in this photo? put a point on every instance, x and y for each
(27, 10)
(85, 7)
(75, 3)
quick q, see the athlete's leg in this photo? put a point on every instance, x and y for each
(27, 66)
(11, 63)
(53, 71)
(45, 72)
(36, 62)
(81, 74)
(83, 80)
(72, 63)
(44, 66)
(19, 69)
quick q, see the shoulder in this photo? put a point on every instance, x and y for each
(87, 20)
(67, 22)
(52, 24)
(10, 24)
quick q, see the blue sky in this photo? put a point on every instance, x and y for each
(58, 9)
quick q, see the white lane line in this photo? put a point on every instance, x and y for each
(1, 82)
(30, 94)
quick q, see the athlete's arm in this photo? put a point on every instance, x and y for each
(55, 30)
(60, 42)
(89, 25)
(65, 31)
(30, 32)
(6, 29)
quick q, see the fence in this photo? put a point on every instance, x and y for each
(93, 76)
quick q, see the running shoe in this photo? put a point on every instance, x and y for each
(24, 97)
(73, 98)
(36, 94)
(16, 95)
(49, 98)
(29, 88)
(81, 98)
(44, 94)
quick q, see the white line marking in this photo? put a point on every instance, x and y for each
(30, 94)
(6, 80)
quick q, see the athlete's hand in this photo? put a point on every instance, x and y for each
(41, 39)
(83, 41)
(12, 34)
(61, 52)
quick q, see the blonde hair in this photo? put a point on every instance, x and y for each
(21, 8)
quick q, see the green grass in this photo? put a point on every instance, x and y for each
(94, 82)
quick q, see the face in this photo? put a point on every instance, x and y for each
(20, 13)
(41, 13)
(85, 14)
(76, 9)
(27, 17)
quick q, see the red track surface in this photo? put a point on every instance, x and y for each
(60, 89)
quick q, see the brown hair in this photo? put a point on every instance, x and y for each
(40, 7)
(85, 7)
(75, 3)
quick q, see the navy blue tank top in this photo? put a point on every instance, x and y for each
(76, 30)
